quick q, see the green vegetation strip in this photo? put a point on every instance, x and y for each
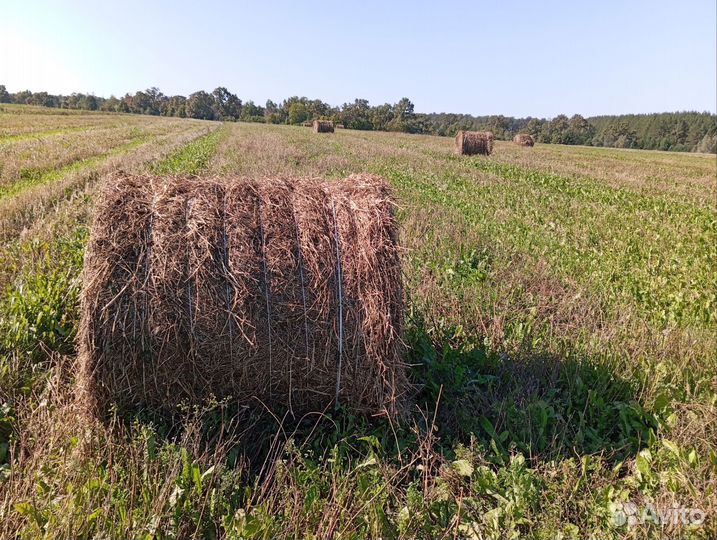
(650, 251)
(31, 177)
(194, 157)
(39, 134)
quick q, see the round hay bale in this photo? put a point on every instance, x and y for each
(523, 139)
(469, 143)
(323, 126)
(285, 292)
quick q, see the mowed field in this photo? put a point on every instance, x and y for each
(561, 329)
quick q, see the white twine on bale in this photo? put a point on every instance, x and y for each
(227, 283)
(339, 291)
(190, 292)
(266, 285)
(302, 278)
(147, 278)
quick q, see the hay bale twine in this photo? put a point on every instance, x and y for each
(469, 143)
(323, 126)
(286, 292)
(523, 139)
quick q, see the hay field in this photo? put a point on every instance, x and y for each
(562, 312)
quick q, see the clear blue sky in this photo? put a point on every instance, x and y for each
(536, 58)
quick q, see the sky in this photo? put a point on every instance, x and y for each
(517, 58)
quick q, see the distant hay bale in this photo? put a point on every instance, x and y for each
(474, 142)
(523, 139)
(340, 126)
(285, 292)
(323, 126)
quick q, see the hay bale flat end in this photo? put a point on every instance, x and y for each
(468, 143)
(323, 126)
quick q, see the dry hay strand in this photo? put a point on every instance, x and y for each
(523, 139)
(323, 126)
(284, 291)
(469, 143)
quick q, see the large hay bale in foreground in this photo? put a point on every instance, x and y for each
(469, 143)
(323, 126)
(285, 292)
(523, 139)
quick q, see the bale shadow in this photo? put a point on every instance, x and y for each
(537, 403)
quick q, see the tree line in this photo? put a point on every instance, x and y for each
(678, 131)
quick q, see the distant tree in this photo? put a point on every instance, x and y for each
(298, 113)
(381, 116)
(147, 102)
(533, 127)
(579, 131)
(251, 112)
(42, 99)
(88, 102)
(22, 96)
(318, 109)
(124, 104)
(273, 114)
(620, 135)
(556, 130)
(227, 106)
(200, 105)
(5, 96)
(500, 126)
(111, 104)
(175, 106)
(356, 115)
(403, 117)
(680, 131)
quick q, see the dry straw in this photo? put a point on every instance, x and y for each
(323, 126)
(474, 142)
(286, 292)
(523, 139)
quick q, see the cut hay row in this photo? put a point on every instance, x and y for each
(523, 139)
(285, 292)
(323, 126)
(30, 204)
(469, 143)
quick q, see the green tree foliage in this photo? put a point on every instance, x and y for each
(251, 112)
(227, 106)
(381, 116)
(356, 115)
(273, 114)
(200, 105)
(5, 96)
(298, 112)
